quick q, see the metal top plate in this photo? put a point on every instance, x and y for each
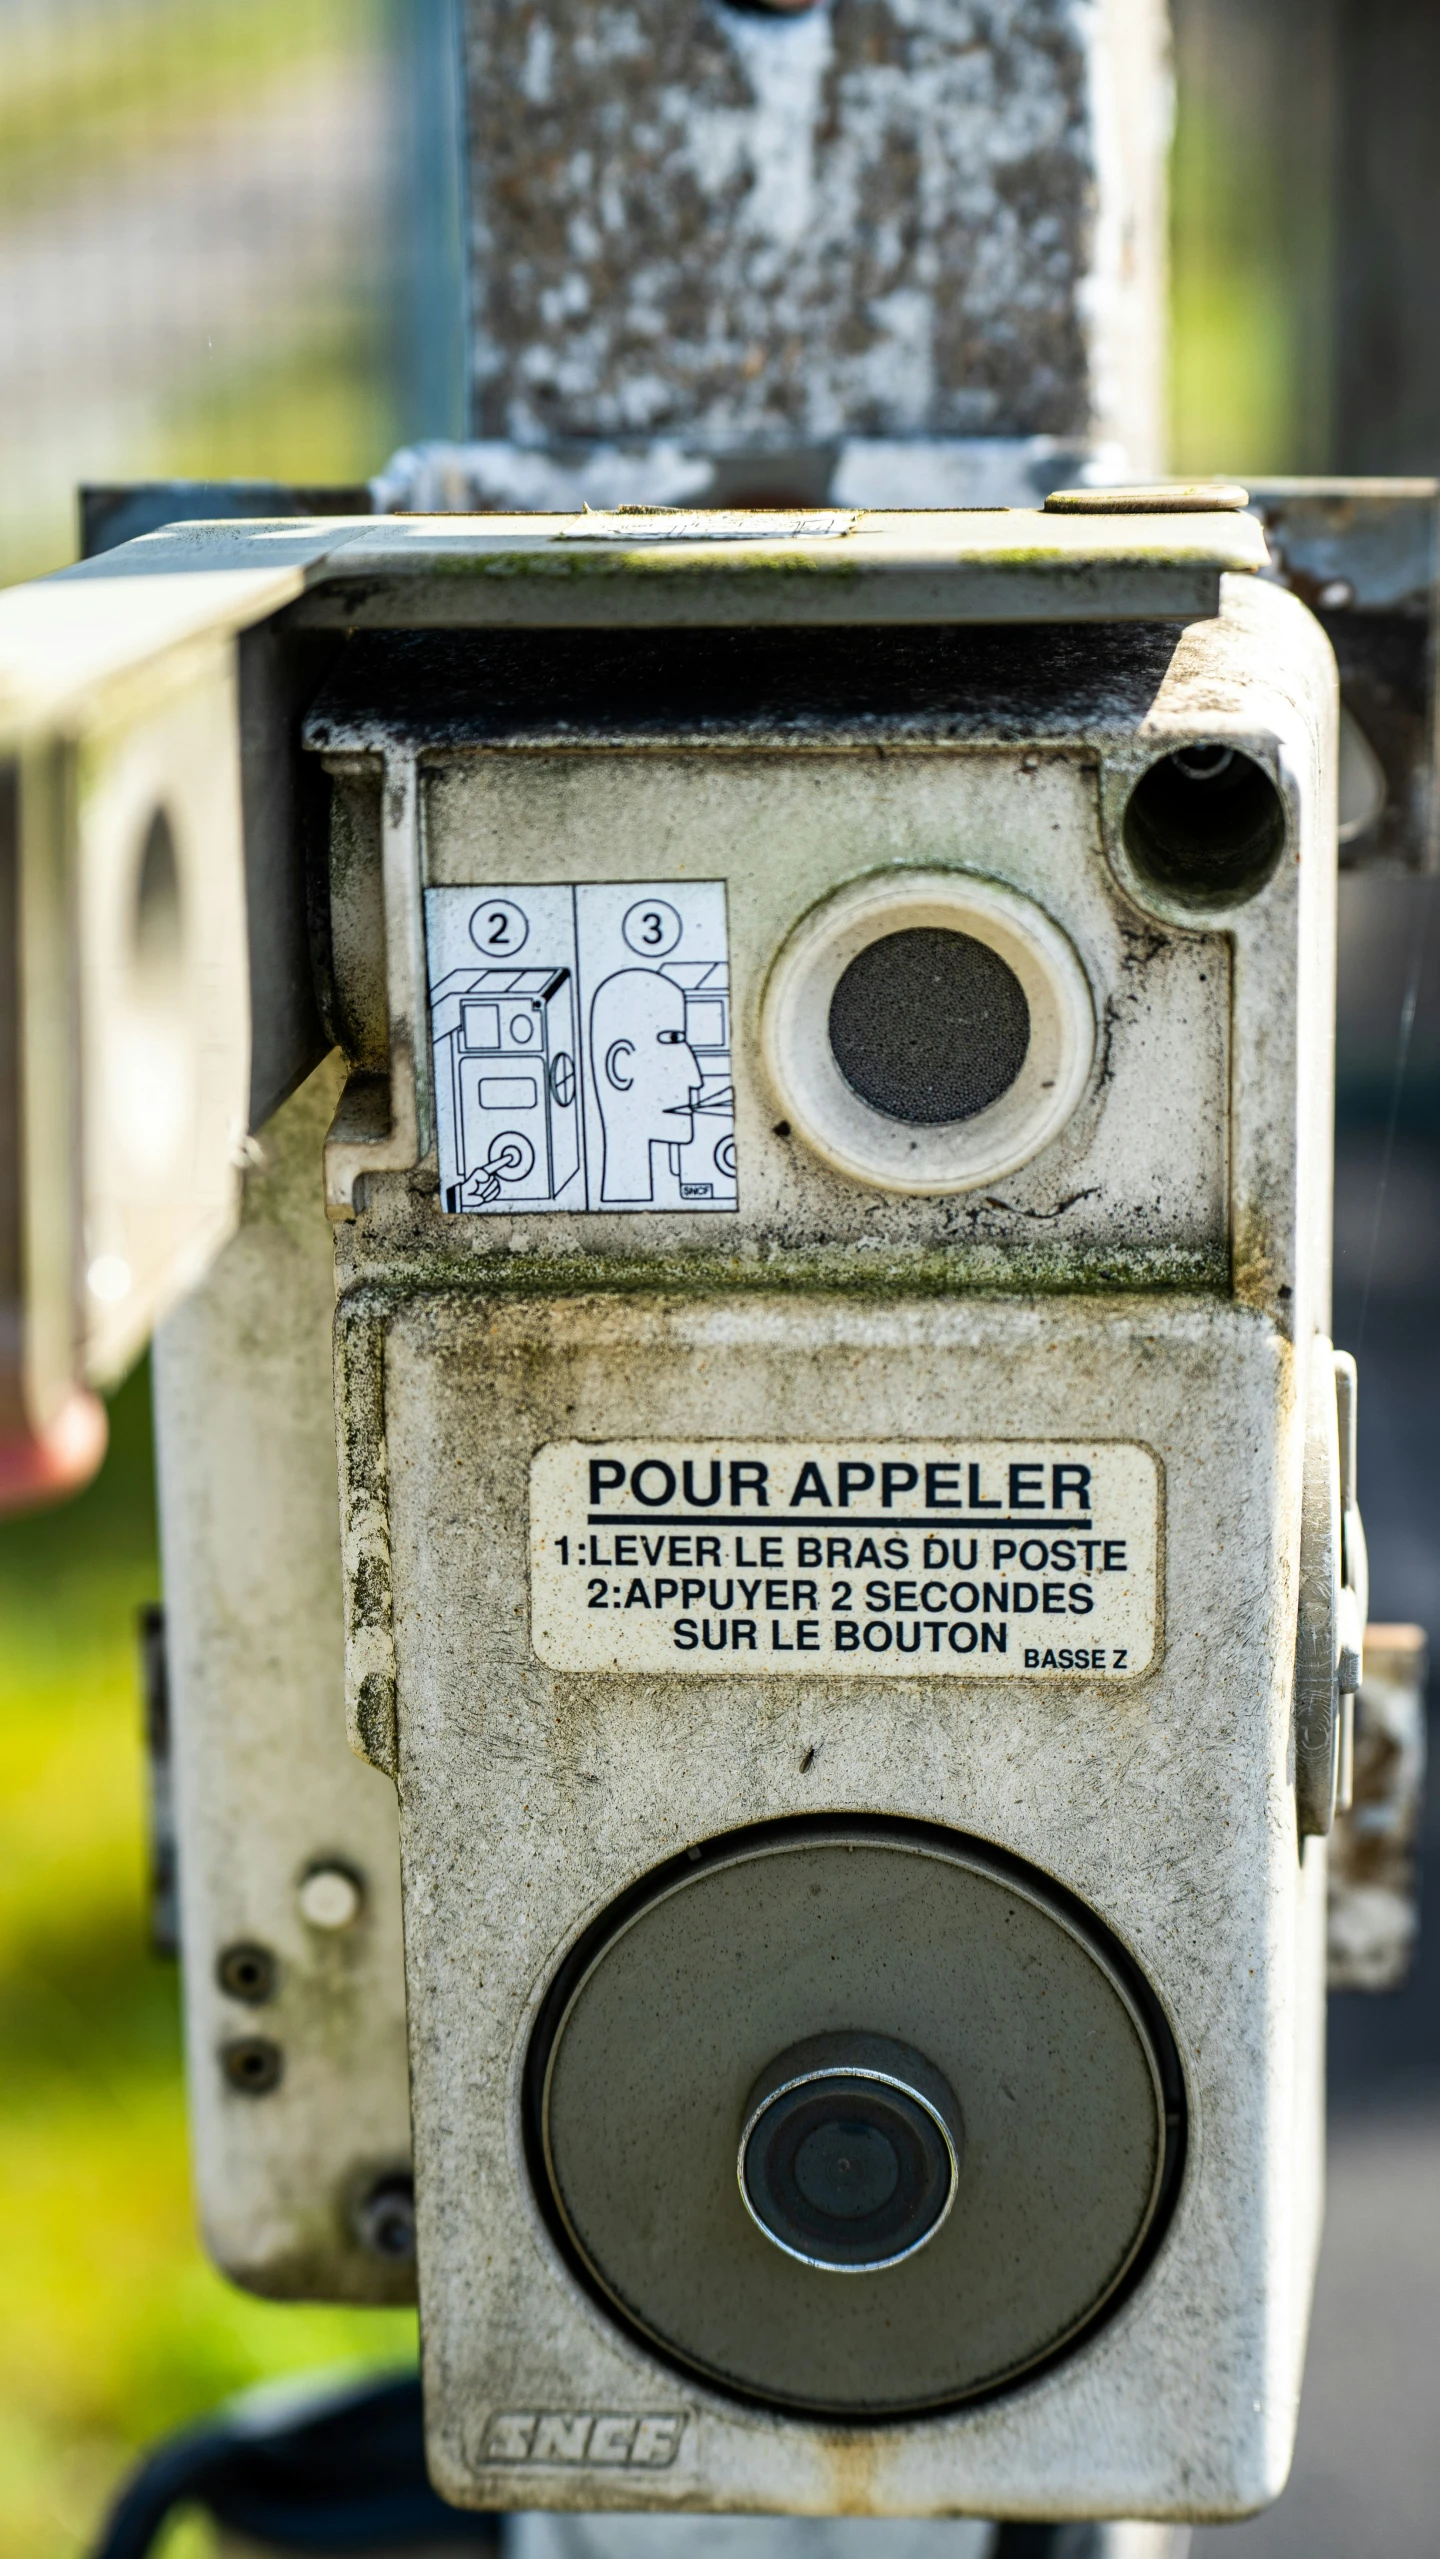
(662, 568)
(89, 626)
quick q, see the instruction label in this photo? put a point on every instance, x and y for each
(581, 1040)
(987, 1559)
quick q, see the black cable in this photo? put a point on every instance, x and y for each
(1047, 2541)
(342, 2470)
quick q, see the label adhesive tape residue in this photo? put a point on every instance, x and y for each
(1004, 1559)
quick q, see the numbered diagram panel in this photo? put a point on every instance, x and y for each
(998, 1559)
(582, 1047)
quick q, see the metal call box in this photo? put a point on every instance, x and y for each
(846, 1548)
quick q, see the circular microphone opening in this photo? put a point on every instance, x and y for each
(929, 1025)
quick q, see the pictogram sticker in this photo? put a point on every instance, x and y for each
(582, 1048)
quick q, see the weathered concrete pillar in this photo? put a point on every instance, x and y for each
(885, 251)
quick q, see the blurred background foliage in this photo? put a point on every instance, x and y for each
(203, 228)
(112, 2325)
(1252, 198)
(198, 206)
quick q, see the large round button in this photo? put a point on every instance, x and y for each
(849, 2153)
(954, 2109)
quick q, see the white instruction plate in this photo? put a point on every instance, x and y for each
(984, 1559)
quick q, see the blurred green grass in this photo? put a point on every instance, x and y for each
(312, 413)
(87, 88)
(320, 411)
(111, 113)
(1251, 243)
(112, 2326)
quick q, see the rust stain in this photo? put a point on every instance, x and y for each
(851, 2463)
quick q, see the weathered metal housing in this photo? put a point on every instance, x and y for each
(1159, 1272)
(787, 708)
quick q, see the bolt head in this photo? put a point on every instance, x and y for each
(247, 1972)
(385, 2219)
(330, 1898)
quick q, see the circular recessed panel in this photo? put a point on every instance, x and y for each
(927, 1031)
(938, 2084)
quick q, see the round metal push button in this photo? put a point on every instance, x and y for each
(847, 2169)
(811, 2004)
(850, 2153)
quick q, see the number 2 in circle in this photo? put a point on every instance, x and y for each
(499, 929)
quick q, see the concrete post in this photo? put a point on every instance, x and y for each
(885, 252)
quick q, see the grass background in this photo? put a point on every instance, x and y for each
(98, 97)
(90, 85)
(112, 2326)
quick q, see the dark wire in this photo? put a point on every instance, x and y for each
(1409, 1001)
(323, 2467)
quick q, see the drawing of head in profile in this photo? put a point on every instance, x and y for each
(647, 1078)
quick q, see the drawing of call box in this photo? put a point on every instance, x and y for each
(705, 1169)
(706, 986)
(505, 1042)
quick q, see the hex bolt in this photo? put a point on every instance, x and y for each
(247, 1972)
(252, 2065)
(331, 1897)
(385, 2218)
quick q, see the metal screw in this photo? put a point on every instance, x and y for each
(331, 1897)
(385, 2218)
(253, 2065)
(247, 1972)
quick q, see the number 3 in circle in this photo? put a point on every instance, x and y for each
(652, 928)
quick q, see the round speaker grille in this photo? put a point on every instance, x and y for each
(651, 2064)
(929, 1025)
(927, 1032)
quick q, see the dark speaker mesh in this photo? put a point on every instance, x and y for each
(929, 1025)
